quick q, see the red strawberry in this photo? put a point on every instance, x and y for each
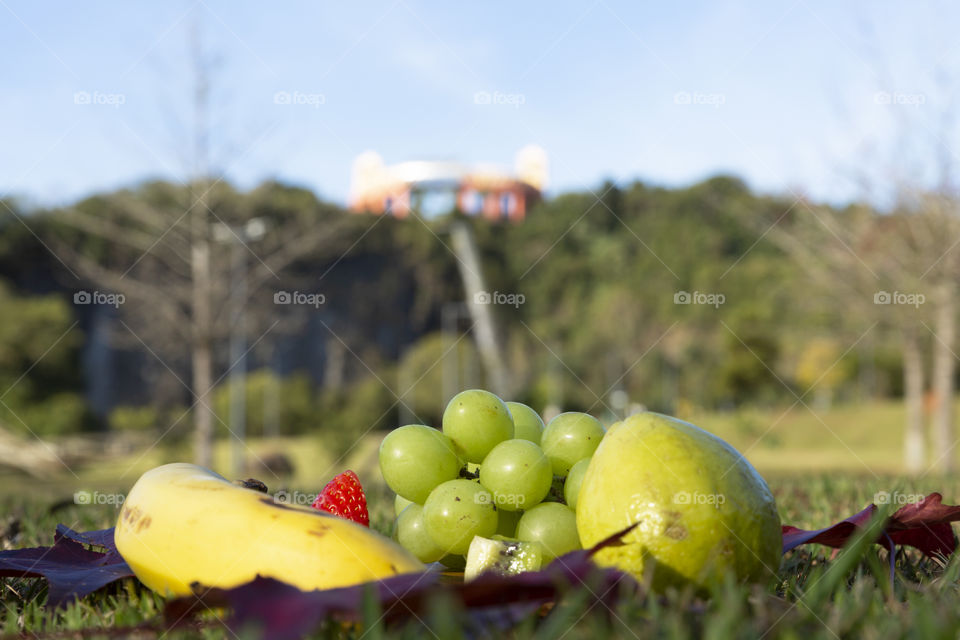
(343, 496)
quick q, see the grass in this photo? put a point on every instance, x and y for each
(814, 597)
(866, 439)
(862, 439)
(846, 455)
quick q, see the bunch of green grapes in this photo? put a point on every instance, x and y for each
(493, 470)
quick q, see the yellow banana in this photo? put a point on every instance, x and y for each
(182, 523)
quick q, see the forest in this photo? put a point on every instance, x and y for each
(708, 297)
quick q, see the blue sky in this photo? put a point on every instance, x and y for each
(788, 95)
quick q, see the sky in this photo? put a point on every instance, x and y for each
(804, 97)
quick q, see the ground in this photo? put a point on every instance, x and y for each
(814, 596)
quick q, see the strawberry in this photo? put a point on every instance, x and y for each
(343, 496)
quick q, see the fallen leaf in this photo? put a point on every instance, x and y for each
(491, 601)
(924, 525)
(70, 568)
(102, 538)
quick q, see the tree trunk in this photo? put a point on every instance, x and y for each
(335, 364)
(202, 335)
(943, 373)
(913, 444)
(202, 351)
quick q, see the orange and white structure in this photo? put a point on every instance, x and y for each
(431, 188)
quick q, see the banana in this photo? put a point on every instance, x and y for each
(182, 523)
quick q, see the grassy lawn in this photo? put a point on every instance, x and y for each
(865, 439)
(813, 597)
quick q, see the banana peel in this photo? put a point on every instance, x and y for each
(183, 524)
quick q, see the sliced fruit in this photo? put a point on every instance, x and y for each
(505, 557)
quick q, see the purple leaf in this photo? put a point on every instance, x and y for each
(281, 611)
(71, 570)
(101, 538)
(924, 525)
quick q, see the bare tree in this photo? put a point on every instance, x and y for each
(938, 218)
(170, 250)
(870, 265)
(914, 440)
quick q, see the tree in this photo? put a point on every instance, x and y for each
(874, 266)
(173, 250)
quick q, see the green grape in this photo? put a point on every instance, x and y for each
(456, 511)
(507, 523)
(553, 525)
(412, 535)
(476, 421)
(400, 503)
(571, 488)
(527, 423)
(569, 438)
(414, 459)
(517, 473)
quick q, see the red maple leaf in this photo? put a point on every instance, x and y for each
(924, 525)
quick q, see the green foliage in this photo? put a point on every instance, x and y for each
(172, 421)
(56, 414)
(281, 406)
(434, 364)
(345, 415)
(39, 366)
(134, 418)
(293, 406)
(598, 272)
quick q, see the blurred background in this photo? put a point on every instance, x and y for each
(259, 237)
